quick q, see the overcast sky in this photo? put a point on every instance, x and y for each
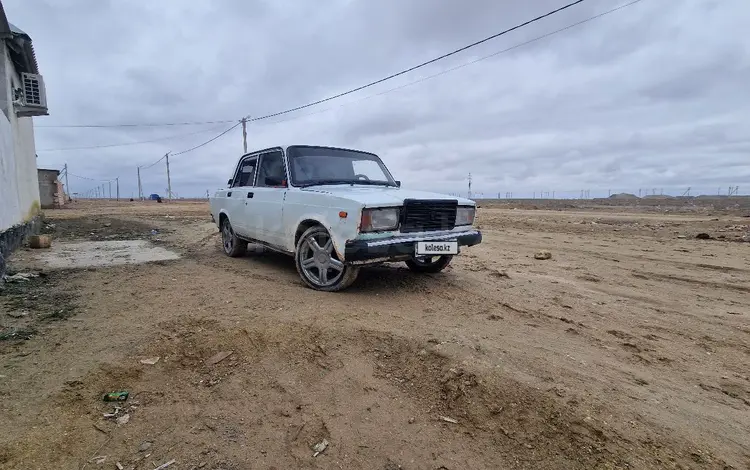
(656, 95)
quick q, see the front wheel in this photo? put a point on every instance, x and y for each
(429, 264)
(318, 265)
(232, 244)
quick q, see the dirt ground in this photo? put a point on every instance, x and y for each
(629, 348)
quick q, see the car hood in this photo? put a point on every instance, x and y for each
(378, 196)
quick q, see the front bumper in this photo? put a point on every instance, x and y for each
(402, 247)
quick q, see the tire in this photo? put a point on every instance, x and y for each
(233, 246)
(316, 261)
(429, 265)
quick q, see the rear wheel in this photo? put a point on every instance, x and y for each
(429, 264)
(318, 265)
(233, 245)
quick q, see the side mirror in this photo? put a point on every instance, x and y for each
(229, 183)
(398, 184)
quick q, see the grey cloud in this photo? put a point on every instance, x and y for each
(653, 95)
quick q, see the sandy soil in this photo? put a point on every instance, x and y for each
(630, 348)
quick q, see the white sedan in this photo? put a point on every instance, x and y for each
(336, 210)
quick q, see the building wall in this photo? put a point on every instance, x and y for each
(48, 188)
(19, 188)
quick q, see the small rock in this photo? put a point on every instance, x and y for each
(448, 419)
(320, 447)
(501, 273)
(703, 236)
(145, 445)
(123, 420)
(107, 224)
(411, 420)
(682, 237)
(40, 241)
(218, 357)
(150, 361)
(18, 314)
(543, 254)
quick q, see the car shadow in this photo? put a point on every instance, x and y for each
(387, 277)
(393, 278)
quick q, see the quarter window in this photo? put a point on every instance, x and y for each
(246, 173)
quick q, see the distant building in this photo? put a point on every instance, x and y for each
(51, 189)
(22, 96)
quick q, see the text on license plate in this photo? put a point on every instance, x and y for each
(437, 248)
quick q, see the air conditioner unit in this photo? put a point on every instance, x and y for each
(34, 94)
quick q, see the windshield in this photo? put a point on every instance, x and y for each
(323, 165)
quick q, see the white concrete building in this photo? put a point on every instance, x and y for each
(22, 96)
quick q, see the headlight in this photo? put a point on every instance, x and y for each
(378, 220)
(465, 215)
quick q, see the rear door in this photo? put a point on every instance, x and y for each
(238, 194)
(268, 200)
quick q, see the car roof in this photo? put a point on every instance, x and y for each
(285, 147)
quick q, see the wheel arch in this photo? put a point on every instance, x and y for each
(222, 217)
(307, 222)
(304, 226)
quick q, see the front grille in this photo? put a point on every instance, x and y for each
(420, 215)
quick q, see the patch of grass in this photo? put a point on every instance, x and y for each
(9, 334)
(40, 296)
(60, 314)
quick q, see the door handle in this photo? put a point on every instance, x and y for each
(249, 195)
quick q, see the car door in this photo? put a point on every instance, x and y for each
(241, 189)
(268, 201)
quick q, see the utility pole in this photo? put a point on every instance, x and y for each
(169, 182)
(104, 192)
(110, 189)
(117, 182)
(469, 186)
(244, 134)
(140, 188)
(67, 188)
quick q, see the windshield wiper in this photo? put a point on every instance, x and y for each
(323, 182)
(376, 183)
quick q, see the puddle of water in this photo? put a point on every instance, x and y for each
(104, 253)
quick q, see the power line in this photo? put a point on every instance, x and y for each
(452, 69)
(87, 178)
(144, 167)
(149, 166)
(206, 142)
(418, 66)
(104, 126)
(125, 144)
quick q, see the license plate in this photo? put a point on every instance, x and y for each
(437, 248)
